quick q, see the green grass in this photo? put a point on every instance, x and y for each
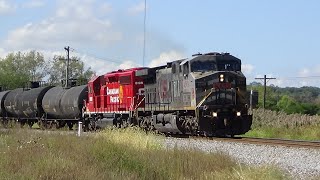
(272, 124)
(113, 154)
(298, 133)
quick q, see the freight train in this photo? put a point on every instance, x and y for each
(201, 95)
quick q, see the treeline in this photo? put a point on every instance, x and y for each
(17, 69)
(304, 100)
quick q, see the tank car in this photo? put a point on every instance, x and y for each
(3, 113)
(25, 104)
(63, 106)
(47, 106)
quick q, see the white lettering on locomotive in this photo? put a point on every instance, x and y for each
(137, 82)
(112, 91)
(114, 99)
(115, 91)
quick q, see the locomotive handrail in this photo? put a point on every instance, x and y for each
(202, 101)
(139, 103)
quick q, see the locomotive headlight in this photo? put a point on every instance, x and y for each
(238, 113)
(221, 77)
(215, 114)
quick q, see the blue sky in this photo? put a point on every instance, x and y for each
(277, 38)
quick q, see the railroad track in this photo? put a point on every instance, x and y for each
(268, 141)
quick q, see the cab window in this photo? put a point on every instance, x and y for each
(201, 65)
(125, 80)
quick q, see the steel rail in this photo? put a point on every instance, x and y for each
(266, 141)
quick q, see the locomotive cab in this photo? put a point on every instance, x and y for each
(220, 94)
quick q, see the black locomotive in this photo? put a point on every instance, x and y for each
(203, 94)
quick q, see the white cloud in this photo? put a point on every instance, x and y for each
(101, 66)
(166, 57)
(247, 68)
(75, 9)
(128, 64)
(33, 4)
(3, 53)
(138, 8)
(304, 77)
(6, 7)
(105, 8)
(309, 76)
(81, 24)
(73, 24)
(306, 71)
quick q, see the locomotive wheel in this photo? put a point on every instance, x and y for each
(93, 125)
(30, 124)
(56, 125)
(22, 123)
(5, 123)
(146, 124)
(42, 124)
(126, 122)
(70, 125)
(61, 124)
(50, 124)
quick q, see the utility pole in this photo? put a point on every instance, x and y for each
(265, 88)
(67, 67)
(144, 32)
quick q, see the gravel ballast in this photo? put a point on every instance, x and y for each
(299, 163)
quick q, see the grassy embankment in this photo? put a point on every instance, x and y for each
(271, 124)
(112, 154)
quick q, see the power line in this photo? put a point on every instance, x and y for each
(299, 77)
(293, 77)
(95, 56)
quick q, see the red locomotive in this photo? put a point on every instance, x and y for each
(115, 95)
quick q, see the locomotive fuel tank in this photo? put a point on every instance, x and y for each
(26, 103)
(60, 103)
(2, 98)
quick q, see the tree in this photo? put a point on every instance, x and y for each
(16, 69)
(77, 71)
(289, 105)
(35, 66)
